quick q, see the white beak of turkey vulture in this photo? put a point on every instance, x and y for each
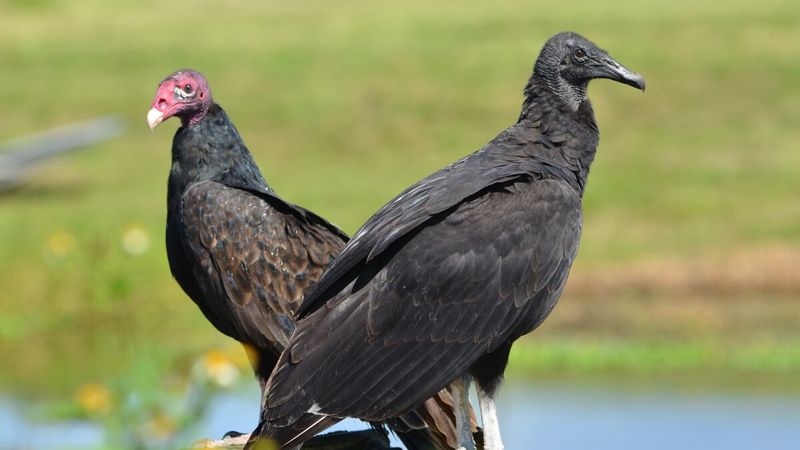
(154, 117)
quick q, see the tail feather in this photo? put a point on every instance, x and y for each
(423, 438)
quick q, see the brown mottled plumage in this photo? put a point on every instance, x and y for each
(255, 261)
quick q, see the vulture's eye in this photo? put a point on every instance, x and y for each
(187, 89)
(579, 53)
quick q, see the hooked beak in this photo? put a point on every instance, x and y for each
(617, 72)
(154, 117)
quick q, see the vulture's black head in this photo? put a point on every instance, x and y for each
(183, 94)
(568, 61)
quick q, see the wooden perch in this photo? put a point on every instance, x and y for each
(338, 440)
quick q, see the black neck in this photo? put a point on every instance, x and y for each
(212, 150)
(572, 134)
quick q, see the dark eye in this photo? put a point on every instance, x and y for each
(579, 53)
(187, 89)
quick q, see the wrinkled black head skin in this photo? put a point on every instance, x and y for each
(568, 61)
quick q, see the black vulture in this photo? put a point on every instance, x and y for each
(244, 255)
(437, 285)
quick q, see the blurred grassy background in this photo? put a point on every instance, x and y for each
(690, 259)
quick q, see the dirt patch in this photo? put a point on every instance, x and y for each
(764, 270)
(746, 295)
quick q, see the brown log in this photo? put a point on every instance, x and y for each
(338, 440)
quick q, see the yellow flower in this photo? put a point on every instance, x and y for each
(234, 442)
(159, 427)
(253, 354)
(219, 368)
(265, 444)
(135, 240)
(242, 359)
(94, 398)
(59, 244)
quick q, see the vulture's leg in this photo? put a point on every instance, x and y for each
(491, 428)
(461, 403)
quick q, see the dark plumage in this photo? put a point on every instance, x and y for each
(238, 250)
(440, 282)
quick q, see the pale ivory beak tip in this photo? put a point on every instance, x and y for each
(154, 117)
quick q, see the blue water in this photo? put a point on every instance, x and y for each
(551, 417)
(17, 432)
(562, 418)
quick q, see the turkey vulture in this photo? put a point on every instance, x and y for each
(439, 283)
(244, 255)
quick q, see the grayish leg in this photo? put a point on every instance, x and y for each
(461, 402)
(491, 428)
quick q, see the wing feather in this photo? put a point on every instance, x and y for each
(495, 267)
(439, 192)
(254, 258)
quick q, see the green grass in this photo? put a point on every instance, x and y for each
(346, 103)
(610, 356)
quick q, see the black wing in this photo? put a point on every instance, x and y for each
(253, 256)
(424, 310)
(501, 161)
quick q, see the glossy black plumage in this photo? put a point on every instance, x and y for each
(445, 277)
(423, 279)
